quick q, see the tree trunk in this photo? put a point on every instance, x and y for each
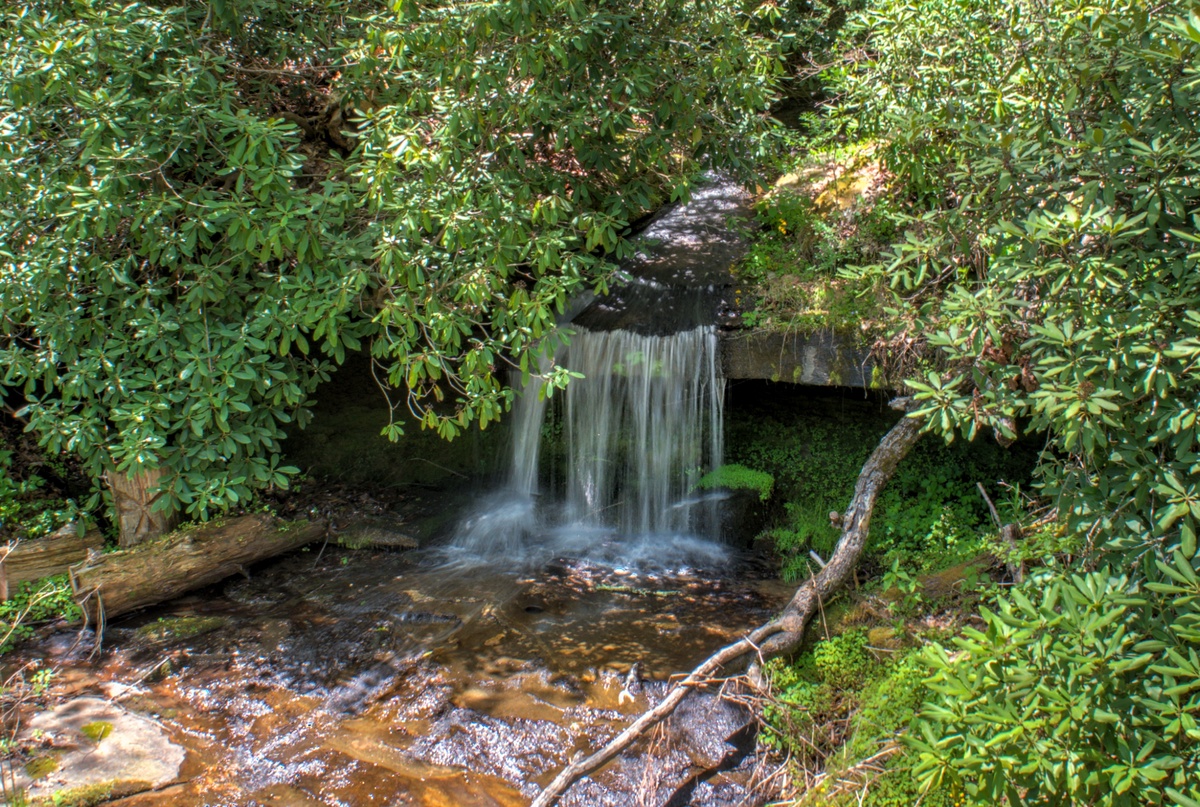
(135, 498)
(856, 523)
(33, 559)
(112, 584)
(781, 636)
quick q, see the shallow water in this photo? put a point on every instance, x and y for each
(385, 678)
(469, 674)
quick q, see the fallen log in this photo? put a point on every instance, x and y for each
(781, 636)
(33, 559)
(108, 585)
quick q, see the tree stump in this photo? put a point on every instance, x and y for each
(135, 498)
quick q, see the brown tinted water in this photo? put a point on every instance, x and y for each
(396, 679)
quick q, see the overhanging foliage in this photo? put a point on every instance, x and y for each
(1052, 258)
(205, 205)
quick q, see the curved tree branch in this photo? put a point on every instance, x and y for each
(856, 522)
(783, 635)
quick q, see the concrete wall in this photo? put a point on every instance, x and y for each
(824, 358)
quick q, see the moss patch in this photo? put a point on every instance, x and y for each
(173, 628)
(41, 767)
(97, 731)
(91, 795)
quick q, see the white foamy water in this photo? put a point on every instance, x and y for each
(640, 427)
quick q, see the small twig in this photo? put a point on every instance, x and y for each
(991, 507)
(820, 604)
(153, 669)
(1009, 533)
(328, 532)
(581, 766)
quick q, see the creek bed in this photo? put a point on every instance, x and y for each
(396, 678)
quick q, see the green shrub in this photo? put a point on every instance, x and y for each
(930, 515)
(899, 786)
(1048, 151)
(34, 602)
(804, 716)
(843, 661)
(889, 706)
(26, 510)
(1082, 689)
(806, 527)
(878, 702)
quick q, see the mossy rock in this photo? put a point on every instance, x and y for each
(94, 794)
(97, 731)
(173, 628)
(885, 638)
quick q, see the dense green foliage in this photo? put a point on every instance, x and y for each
(1047, 155)
(930, 515)
(27, 509)
(1052, 257)
(843, 702)
(206, 205)
(1083, 689)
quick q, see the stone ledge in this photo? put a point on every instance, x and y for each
(824, 358)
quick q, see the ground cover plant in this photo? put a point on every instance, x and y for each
(929, 517)
(828, 213)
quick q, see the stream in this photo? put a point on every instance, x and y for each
(398, 678)
(553, 610)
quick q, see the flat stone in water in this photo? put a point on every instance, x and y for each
(105, 744)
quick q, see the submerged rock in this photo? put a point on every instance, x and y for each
(379, 532)
(172, 628)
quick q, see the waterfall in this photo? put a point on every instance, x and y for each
(528, 412)
(645, 421)
(641, 426)
(501, 523)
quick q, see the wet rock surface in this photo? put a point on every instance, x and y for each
(92, 743)
(387, 678)
(680, 277)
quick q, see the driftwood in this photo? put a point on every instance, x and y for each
(34, 559)
(781, 636)
(112, 584)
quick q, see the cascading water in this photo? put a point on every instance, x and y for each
(644, 422)
(641, 425)
(503, 523)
